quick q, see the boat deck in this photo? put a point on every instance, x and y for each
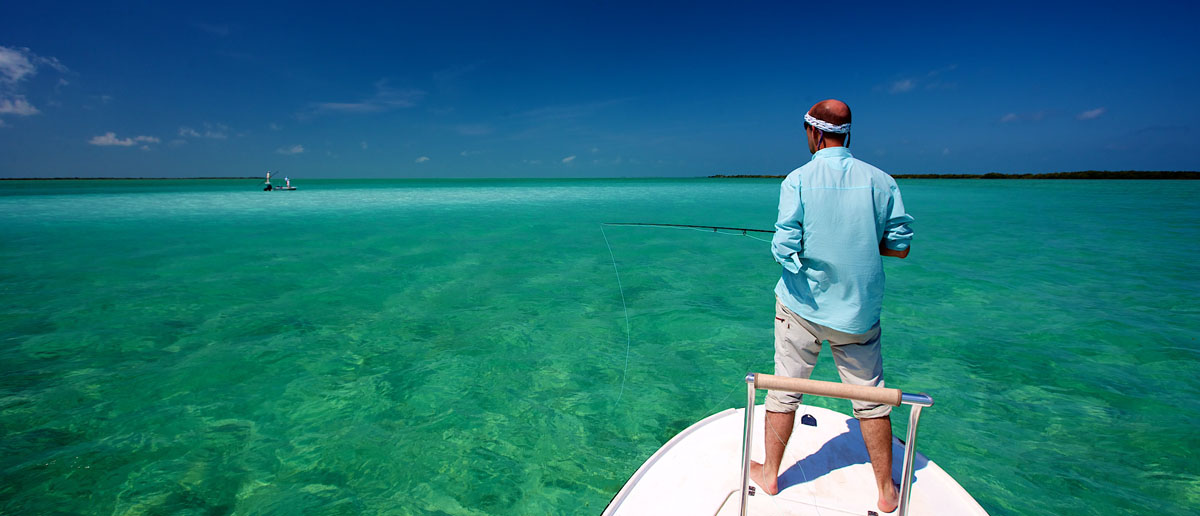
(826, 472)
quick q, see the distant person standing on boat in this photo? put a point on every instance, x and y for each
(837, 217)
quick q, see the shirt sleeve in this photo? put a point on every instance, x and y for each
(896, 233)
(787, 242)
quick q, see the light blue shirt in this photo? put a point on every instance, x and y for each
(833, 212)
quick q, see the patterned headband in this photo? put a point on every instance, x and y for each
(826, 126)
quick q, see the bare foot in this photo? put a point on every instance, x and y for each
(888, 501)
(757, 474)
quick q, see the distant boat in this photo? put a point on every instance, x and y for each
(270, 188)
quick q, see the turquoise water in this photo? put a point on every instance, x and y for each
(459, 347)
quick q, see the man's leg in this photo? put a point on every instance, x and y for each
(777, 431)
(877, 435)
(860, 362)
(795, 355)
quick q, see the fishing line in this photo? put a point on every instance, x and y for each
(628, 339)
(625, 307)
(731, 231)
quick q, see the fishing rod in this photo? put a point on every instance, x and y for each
(714, 228)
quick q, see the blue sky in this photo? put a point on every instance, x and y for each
(595, 89)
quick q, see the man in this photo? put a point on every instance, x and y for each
(837, 217)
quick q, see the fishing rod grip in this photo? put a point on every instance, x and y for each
(831, 389)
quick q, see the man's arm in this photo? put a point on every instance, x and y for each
(789, 234)
(885, 251)
(897, 236)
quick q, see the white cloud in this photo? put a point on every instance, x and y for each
(568, 159)
(16, 65)
(52, 62)
(16, 105)
(946, 151)
(422, 159)
(902, 86)
(216, 132)
(1035, 116)
(110, 139)
(384, 99)
(1091, 113)
(364, 145)
(931, 80)
(274, 126)
(295, 149)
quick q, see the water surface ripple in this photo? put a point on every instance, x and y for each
(458, 347)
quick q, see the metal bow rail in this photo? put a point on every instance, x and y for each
(893, 397)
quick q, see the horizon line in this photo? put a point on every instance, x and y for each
(716, 176)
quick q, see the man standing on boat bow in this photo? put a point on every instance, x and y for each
(838, 217)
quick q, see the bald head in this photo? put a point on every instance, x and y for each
(834, 112)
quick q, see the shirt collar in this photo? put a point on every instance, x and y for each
(832, 152)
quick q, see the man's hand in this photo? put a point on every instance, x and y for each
(884, 251)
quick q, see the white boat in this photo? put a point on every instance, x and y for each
(825, 468)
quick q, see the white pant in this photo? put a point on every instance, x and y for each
(797, 343)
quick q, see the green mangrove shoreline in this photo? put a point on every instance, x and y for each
(1083, 174)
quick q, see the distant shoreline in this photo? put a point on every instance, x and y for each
(116, 178)
(1084, 174)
